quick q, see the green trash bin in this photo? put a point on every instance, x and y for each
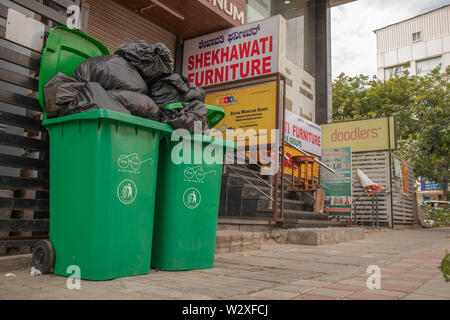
(187, 205)
(103, 169)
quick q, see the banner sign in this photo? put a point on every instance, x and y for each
(405, 183)
(302, 133)
(363, 135)
(338, 185)
(427, 185)
(247, 108)
(234, 54)
(397, 167)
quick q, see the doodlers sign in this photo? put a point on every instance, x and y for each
(364, 135)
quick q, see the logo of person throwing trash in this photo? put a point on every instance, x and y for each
(192, 198)
(127, 191)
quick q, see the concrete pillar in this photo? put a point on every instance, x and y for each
(322, 62)
(309, 36)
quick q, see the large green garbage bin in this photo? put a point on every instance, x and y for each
(103, 168)
(187, 204)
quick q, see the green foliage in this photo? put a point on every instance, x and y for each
(421, 106)
(440, 216)
(445, 266)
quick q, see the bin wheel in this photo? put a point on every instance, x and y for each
(43, 256)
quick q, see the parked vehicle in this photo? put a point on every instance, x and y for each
(436, 204)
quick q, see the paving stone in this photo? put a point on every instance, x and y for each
(337, 276)
(312, 297)
(329, 292)
(311, 283)
(390, 293)
(270, 294)
(368, 296)
(399, 282)
(408, 280)
(292, 288)
(399, 267)
(441, 291)
(393, 270)
(422, 272)
(417, 296)
(341, 286)
(353, 282)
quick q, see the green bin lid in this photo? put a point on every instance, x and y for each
(215, 114)
(112, 115)
(64, 51)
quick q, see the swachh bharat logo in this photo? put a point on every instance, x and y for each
(127, 191)
(197, 174)
(132, 161)
(192, 198)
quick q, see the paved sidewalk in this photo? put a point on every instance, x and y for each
(408, 259)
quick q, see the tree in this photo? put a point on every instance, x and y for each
(421, 105)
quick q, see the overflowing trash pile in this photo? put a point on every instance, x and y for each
(138, 80)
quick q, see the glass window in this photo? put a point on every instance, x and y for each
(300, 22)
(417, 36)
(258, 10)
(392, 71)
(425, 66)
(295, 40)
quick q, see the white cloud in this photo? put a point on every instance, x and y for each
(353, 43)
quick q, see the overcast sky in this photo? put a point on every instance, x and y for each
(353, 43)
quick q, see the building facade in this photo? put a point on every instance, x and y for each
(422, 41)
(306, 34)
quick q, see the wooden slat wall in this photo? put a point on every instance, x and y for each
(376, 166)
(113, 24)
(24, 166)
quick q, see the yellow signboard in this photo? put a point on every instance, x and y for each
(251, 109)
(362, 135)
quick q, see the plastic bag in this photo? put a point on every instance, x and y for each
(112, 72)
(35, 272)
(60, 91)
(170, 89)
(186, 117)
(137, 103)
(152, 61)
(90, 97)
(195, 93)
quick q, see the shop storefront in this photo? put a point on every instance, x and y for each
(237, 50)
(288, 71)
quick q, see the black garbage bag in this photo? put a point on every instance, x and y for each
(92, 96)
(169, 89)
(195, 93)
(137, 103)
(152, 61)
(112, 72)
(59, 92)
(185, 118)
